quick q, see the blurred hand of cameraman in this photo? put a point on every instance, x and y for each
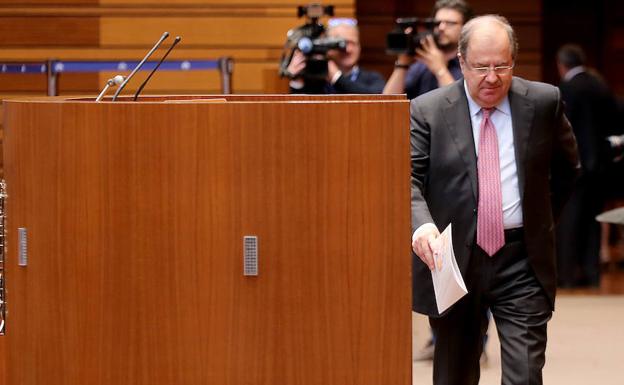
(333, 72)
(297, 64)
(431, 56)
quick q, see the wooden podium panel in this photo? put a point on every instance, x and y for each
(135, 215)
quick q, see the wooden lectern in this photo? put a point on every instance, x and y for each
(132, 225)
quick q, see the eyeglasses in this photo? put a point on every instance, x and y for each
(450, 23)
(484, 71)
(336, 21)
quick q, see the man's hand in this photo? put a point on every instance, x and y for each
(431, 56)
(332, 70)
(424, 244)
(297, 64)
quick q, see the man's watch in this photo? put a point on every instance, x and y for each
(397, 64)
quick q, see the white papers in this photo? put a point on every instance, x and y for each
(448, 283)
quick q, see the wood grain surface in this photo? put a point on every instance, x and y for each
(136, 213)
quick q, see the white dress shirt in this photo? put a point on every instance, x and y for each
(501, 119)
(573, 72)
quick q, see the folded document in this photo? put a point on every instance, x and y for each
(448, 283)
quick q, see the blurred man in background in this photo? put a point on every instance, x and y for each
(590, 106)
(344, 75)
(435, 63)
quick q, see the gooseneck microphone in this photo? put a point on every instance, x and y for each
(162, 59)
(114, 81)
(138, 67)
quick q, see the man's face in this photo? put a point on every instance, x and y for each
(451, 22)
(488, 46)
(348, 59)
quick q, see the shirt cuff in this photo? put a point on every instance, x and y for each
(422, 228)
(335, 78)
(296, 84)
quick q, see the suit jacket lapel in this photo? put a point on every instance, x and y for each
(522, 112)
(457, 116)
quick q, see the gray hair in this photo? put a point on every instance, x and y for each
(343, 21)
(470, 26)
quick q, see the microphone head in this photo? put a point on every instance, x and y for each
(118, 79)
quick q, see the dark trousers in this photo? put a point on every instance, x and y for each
(506, 284)
(578, 235)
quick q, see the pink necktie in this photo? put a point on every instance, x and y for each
(490, 232)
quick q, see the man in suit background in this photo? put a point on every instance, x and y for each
(344, 75)
(591, 108)
(495, 156)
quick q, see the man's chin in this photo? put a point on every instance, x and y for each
(446, 46)
(489, 100)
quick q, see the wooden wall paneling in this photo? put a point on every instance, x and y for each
(243, 32)
(23, 82)
(507, 9)
(49, 31)
(393, 8)
(67, 82)
(198, 52)
(612, 54)
(13, 3)
(251, 76)
(290, 4)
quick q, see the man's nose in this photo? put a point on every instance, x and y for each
(491, 76)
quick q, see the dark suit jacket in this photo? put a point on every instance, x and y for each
(444, 174)
(367, 82)
(591, 109)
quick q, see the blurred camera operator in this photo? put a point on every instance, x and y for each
(344, 75)
(435, 63)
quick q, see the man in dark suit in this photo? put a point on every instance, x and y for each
(495, 156)
(344, 75)
(591, 109)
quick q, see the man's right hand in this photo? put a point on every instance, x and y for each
(297, 63)
(435, 60)
(424, 243)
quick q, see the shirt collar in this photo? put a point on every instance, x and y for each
(503, 106)
(353, 74)
(573, 72)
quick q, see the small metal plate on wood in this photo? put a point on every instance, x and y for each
(23, 246)
(250, 255)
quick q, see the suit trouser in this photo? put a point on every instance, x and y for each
(506, 284)
(578, 235)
